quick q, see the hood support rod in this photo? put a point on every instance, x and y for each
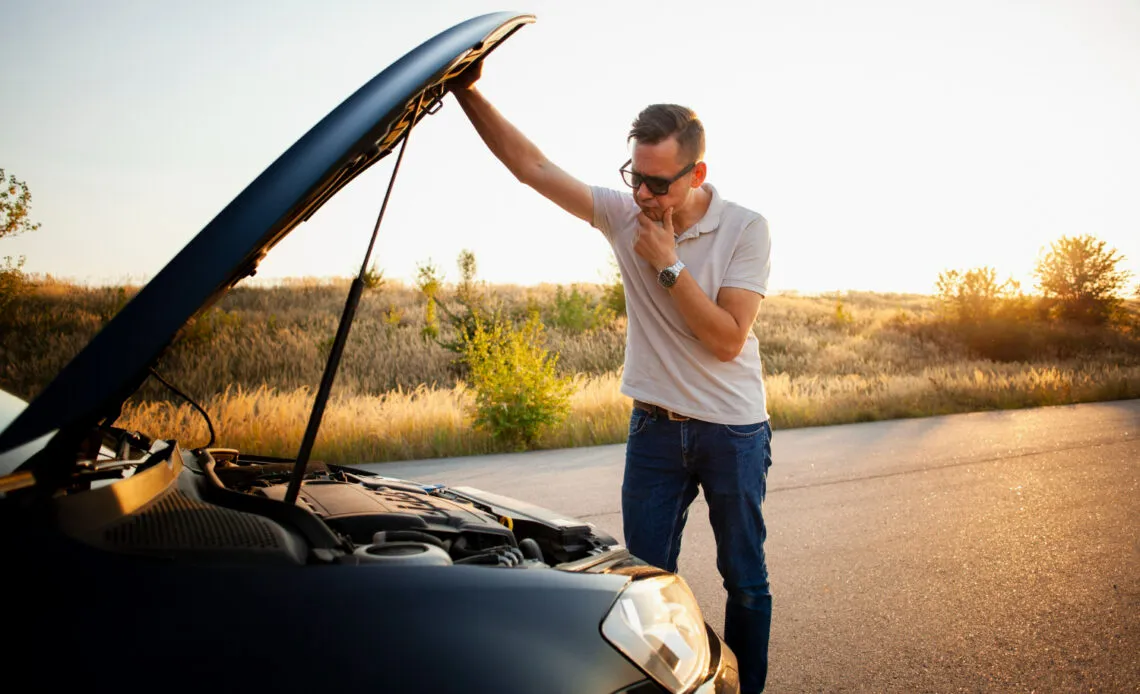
(346, 318)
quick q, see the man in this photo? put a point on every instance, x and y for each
(695, 269)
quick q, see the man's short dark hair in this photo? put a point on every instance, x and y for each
(658, 122)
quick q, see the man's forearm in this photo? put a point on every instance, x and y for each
(505, 141)
(715, 327)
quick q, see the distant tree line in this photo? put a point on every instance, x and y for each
(1079, 279)
(1081, 298)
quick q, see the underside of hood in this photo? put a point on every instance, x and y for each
(358, 133)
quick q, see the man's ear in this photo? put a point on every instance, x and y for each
(700, 171)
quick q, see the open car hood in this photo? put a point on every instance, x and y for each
(354, 136)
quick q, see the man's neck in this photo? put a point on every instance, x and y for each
(692, 213)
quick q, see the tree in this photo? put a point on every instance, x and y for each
(15, 205)
(1080, 273)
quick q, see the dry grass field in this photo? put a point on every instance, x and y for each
(254, 362)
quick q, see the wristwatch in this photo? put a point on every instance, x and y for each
(668, 277)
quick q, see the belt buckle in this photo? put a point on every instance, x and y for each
(674, 417)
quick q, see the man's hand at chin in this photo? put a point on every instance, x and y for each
(654, 242)
(653, 213)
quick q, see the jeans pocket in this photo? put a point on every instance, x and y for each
(744, 431)
(637, 421)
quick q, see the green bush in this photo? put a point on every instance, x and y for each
(613, 292)
(576, 312)
(518, 394)
(373, 278)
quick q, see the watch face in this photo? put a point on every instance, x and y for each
(667, 278)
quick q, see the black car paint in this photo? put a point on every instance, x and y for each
(94, 620)
(146, 583)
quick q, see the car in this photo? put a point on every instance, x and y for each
(135, 562)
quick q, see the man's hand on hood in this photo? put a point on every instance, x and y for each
(467, 78)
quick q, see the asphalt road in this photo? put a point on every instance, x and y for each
(993, 551)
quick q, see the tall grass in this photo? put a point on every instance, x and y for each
(399, 425)
(276, 336)
(965, 387)
(435, 422)
(255, 359)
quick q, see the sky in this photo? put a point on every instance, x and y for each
(884, 141)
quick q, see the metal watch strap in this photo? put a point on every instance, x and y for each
(668, 277)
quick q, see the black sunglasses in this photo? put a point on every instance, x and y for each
(655, 184)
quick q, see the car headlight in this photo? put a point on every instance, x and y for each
(657, 624)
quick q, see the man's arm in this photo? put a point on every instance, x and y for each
(528, 164)
(721, 326)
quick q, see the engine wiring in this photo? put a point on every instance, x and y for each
(195, 405)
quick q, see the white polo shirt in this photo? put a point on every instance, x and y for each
(665, 363)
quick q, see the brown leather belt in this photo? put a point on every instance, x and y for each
(655, 410)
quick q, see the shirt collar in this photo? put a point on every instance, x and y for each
(710, 221)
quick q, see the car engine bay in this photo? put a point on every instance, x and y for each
(219, 504)
(396, 521)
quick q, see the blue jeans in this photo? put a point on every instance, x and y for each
(665, 463)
